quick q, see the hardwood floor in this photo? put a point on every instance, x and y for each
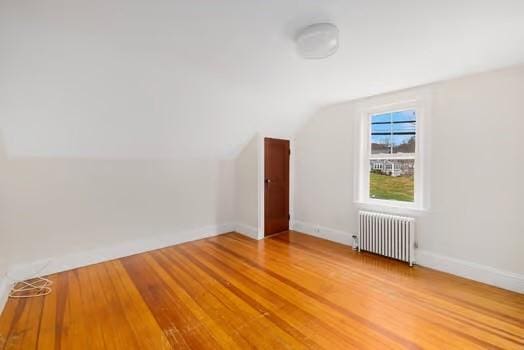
(289, 291)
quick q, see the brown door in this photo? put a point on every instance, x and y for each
(276, 177)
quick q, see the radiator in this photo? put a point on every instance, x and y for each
(389, 235)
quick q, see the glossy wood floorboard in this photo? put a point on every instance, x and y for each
(290, 291)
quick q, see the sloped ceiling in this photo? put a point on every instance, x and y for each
(198, 78)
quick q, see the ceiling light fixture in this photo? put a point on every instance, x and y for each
(317, 41)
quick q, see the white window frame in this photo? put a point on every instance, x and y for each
(418, 101)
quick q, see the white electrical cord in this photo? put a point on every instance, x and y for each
(32, 287)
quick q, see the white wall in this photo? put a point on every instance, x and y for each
(50, 207)
(476, 171)
(3, 235)
(3, 257)
(246, 188)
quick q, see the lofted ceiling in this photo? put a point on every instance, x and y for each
(198, 78)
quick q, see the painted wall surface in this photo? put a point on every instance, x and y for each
(3, 235)
(476, 170)
(52, 207)
(3, 258)
(246, 185)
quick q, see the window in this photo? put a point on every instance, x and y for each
(393, 137)
(392, 151)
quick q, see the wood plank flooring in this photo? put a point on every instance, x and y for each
(290, 291)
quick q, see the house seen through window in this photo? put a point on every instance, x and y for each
(392, 155)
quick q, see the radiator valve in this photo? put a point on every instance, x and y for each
(355, 242)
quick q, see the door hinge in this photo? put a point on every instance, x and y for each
(288, 217)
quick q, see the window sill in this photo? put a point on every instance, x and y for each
(391, 208)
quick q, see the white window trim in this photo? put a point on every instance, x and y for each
(418, 100)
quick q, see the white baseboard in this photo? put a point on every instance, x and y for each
(5, 287)
(480, 273)
(477, 272)
(324, 232)
(246, 230)
(71, 261)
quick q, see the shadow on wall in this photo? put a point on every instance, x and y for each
(324, 149)
(3, 151)
(246, 186)
(225, 192)
(3, 237)
(53, 206)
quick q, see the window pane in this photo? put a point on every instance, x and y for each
(393, 132)
(407, 115)
(381, 118)
(404, 127)
(403, 143)
(381, 133)
(392, 179)
(381, 128)
(380, 144)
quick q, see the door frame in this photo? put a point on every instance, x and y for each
(261, 185)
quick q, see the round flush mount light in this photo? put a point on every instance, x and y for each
(317, 41)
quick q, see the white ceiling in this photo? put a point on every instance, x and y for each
(198, 78)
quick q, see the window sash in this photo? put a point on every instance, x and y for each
(391, 133)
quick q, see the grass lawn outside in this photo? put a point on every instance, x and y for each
(398, 188)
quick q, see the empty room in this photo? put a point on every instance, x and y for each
(261, 174)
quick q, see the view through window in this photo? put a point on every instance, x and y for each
(392, 155)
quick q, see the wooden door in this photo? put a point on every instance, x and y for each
(276, 178)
